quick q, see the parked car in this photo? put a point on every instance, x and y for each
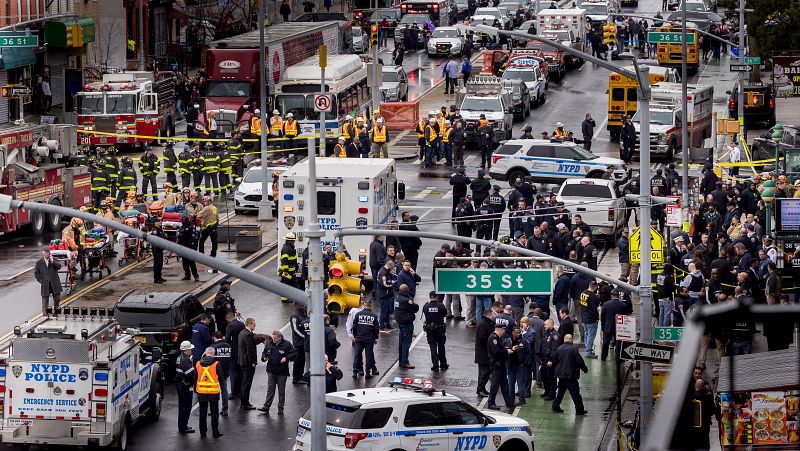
(763, 147)
(759, 104)
(520, 99)
(599, 203)
(248, 194)
(445, 41)
(394, 84)
(360, 40)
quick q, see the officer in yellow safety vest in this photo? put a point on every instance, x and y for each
(441, 121)
(421, 138)
(290, 130)
(255, 123)
(380, 140)
(447, 145)
(208, 388)
(340, 149)
(559, 132)
(444, 112)
(431, 141)
(276, 124)
(209, 219)
(348, 130)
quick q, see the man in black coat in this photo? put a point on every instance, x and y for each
(609, 312)
(410, 245)
(296, 320)
(567, 361)
(567, 326)
(248, 359)
(627, 140)
(377, 257)
(460, 183)
(550, 343)
(277, 354)
(46, 273)
(366, 329)
(480, 187)
(235, 327)
(482, 332)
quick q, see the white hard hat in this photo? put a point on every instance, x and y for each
(276, 112)
(341, 138)
(559, 124)
(348, 117)
(432, 120)
(257, 111)
(290, 115)
(432, 113)
(380, 120)
(186, 345)
(360, 119)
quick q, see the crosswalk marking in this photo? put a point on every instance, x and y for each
(505, 192)
(448, 195)
(422, 194)
(469, 159)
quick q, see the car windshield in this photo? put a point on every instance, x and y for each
(583, 153)
(253, 175)
(483, 104)
(228, 89)
(389, 15)
(488, 12)
(695, 6)
(656, 117)
(120, 103)
(560, 35)
(292, 104)
(540, 46)
(524, 75)
(90, 104)
(390, 76)
(357, 32)
(595, 9)
(415, 18)
(444, 33)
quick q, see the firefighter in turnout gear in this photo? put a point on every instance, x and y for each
(288, 268)
(170, 162)
(211, 170)
(197, 166)
(149, 168)
(236, 151)
(225, 171)
(185, 163)
(99, 176)
(112, 166)
(127, 180)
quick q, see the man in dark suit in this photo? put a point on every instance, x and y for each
(248, 359)
(235, 327)
(567, 361)
(567, 326)
(46, 274)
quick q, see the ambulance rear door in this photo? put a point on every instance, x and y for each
(46, 391)
(329, 213)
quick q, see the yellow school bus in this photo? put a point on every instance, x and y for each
(671, 54)
(622, 98)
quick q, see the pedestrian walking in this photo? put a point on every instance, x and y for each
(436, 331)
(366, 329)
(248, 359)
(46, 273)
(209, 374)
(277, 354)
(222, 354)
(498, 356)
(185, 377)
(567, 361)
(405, 313)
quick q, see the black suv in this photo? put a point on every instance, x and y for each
(763, 147)
(759, 104)
(165, 318)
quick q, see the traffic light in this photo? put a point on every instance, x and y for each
(74, 35)
(609, 34)
(373, 35)
(341, 283)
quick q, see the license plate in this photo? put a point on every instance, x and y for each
(141, 339)
(300, 432)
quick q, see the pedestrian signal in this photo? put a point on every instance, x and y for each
(373, 36)
(343, 282)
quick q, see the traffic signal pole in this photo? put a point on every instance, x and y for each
(375, 82)
(264, 207)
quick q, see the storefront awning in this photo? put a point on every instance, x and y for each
(17, 57)
(69, 32)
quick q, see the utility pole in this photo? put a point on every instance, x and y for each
(684, 128)
(740, 77)
(375, 82)
(264, 208)
(141, 35)
(315, 279)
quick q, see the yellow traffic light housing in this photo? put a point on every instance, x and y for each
(77, 32)
(609, 33)
(343, 282)
(70, 40)
(373, 35)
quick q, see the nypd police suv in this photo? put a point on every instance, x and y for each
(411, 415)
(550, 161)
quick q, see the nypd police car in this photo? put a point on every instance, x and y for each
(411, 415)
(550, 161)
(248, 193)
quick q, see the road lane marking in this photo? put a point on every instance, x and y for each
(601, 127)
(235, 281)
(17, 274)
(469, 159)
(448, 195)
(424, 193)
(424, 214)
(388, 373)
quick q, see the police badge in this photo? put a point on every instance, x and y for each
(288, 221)
(496, 439)
(16, 370)
(83, 374)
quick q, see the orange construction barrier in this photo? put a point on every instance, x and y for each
(400, 115)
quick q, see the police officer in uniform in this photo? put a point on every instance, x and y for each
(185, 377)
(222, 355)
(550, 343)
(185, 163)
(149, 168)
(498, 203)
(480, 188)
(170, 162)
(434, 313)
(485, 141)
(223, 303)
(288, 268)
(498, 355)
(658, 181)
(366, 329)
(484, 226)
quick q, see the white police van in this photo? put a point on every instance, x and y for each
(550, 161)
(75, 379)
(410, 415)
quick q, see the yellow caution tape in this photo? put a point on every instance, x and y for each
(203, 139)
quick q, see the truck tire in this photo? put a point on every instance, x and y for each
(38, 221)
(154, 404)
(54, 219)
(516, 177)
(671, 151)
(170, 127)
(121, 442)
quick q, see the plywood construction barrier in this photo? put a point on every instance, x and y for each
(400, 115)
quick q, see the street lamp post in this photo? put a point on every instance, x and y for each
(777, 136)
(768, 196)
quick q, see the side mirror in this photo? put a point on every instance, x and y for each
(485, 421)
(401, 190)
(157, 354)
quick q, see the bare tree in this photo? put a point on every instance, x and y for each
(104, 49)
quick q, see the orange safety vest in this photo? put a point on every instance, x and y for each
(482, 122)
(561, 133)
(340, 151)
(255, 125)
(207, 379)
(347, 130)
(379, 134)
(278, 125)
(290, 128)
(432, 134)
(442, 124)
(446, 135)
(421, 129)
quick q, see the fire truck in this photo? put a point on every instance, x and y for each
(139, 104)
(36, 165)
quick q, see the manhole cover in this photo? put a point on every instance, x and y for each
(451, 382)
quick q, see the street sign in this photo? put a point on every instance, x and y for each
(491, 281)
(19, 41)
(741, 68)
(668, 334)
(307, 130)
(323, 102)
(656, 247)
(647, 352)
(625, 328)
(14, 91)
(660, 37)
(752, 60)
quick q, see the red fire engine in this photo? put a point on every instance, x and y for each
(128, 103)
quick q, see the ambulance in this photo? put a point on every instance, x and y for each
(351, 193)
(75, 378)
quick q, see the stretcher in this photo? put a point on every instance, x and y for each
(97, 247)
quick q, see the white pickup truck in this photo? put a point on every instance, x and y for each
(599, 203)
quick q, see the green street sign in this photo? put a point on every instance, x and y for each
(19, 41)
(491, 281)
(661, 37)
(752, 60)
(668, 334)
